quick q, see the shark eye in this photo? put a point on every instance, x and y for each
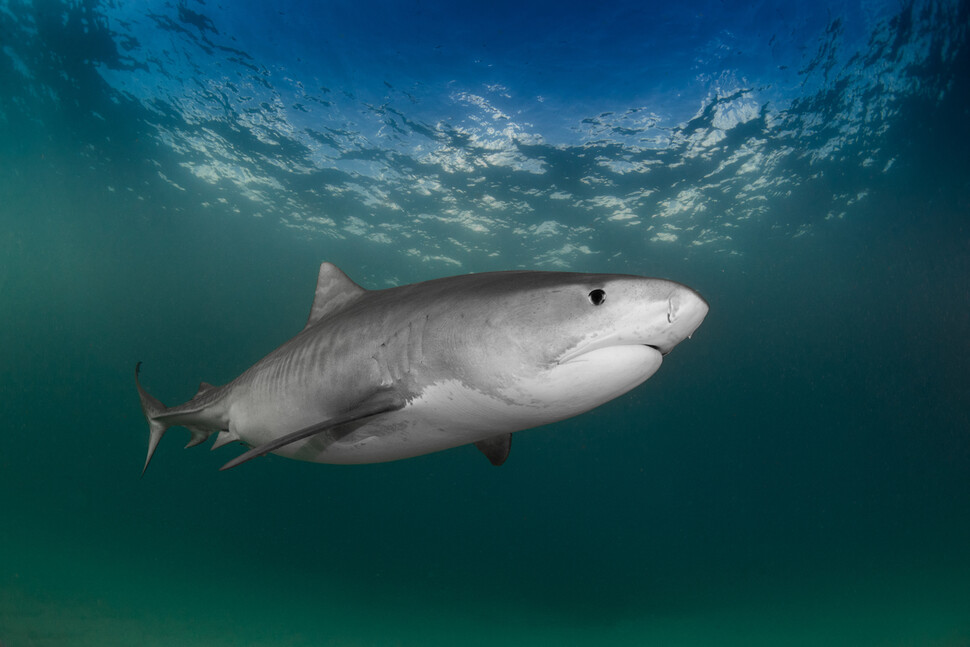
(597, 297)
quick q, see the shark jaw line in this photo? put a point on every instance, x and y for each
(608, 342)
(594, 354)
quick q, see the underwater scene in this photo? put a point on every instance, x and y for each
(797, 472)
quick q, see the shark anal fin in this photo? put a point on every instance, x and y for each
(496, 448)
(382, 402)
(199, 436)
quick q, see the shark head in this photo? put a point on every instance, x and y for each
(612, 336)
(553, 345)
(632, 311)
(618, 339)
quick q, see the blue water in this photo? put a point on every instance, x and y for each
(798, 473)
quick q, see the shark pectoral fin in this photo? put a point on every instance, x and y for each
(382, 402)
(496, 448)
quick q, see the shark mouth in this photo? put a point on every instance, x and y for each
(602, 344)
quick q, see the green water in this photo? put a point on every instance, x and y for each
(795, 474)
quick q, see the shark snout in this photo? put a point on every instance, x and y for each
(686, 310)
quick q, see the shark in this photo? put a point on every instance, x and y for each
(388, 374)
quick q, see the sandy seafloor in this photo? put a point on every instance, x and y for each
(798, 473)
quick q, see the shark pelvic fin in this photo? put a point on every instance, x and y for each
(151, 407)
(224, 438)
(496, 448)
(380, 402)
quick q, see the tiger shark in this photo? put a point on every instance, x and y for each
(381, 375)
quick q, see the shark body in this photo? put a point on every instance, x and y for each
(381, 375)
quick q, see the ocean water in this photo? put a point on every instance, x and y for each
(798, 473)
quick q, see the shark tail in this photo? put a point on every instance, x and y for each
(152, 408)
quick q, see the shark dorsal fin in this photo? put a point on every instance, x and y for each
(334, 291)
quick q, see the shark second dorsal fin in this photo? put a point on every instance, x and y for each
(334, 291)
(203, 388)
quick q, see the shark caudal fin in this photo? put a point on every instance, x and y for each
(151, 408)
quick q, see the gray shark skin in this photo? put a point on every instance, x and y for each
(381, 375)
